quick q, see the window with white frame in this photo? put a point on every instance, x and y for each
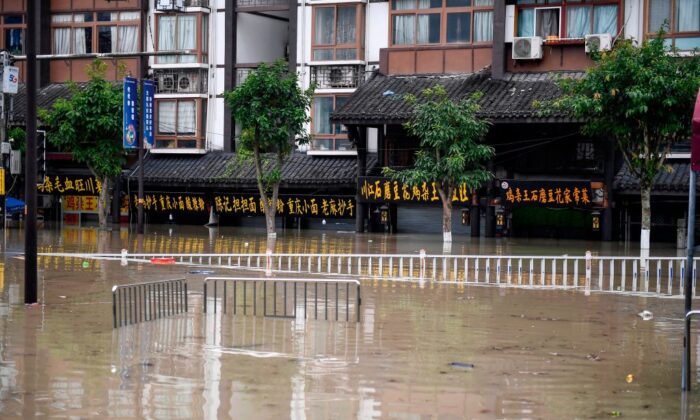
(337, 34)
(180, 123)
(683, 18)
(573, 19)
(101, 32)
(178, 32)
(328, 136)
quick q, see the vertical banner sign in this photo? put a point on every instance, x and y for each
(695, 143)
(149, 91)
(10, 80)
(130, 120)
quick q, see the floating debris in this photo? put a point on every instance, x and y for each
(462, 365)
(201, 272)
(646, 315)
(86, 264)
(629, 378)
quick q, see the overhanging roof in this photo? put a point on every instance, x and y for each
(381, 99)
(673, 181)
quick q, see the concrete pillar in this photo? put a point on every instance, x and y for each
(360, 133)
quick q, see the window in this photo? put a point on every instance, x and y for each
(683, 17)
(178, 123)
(326, 135)
(572, 19)
(103, 32)
(427, 22)
(12, 28)
(337, 33)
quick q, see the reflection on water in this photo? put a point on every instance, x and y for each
(536, 353)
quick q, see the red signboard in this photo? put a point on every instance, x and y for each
(695, 147)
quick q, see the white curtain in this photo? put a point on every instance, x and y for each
(404, 29)
(61, 36)
(324, 26)
(578, 22)
(605, 20)
(483, 26)
(345, 27)
(423, 32)
(688, 15)
(186, 120)
(166, 37)
(323, 105)
(404, 4)
(187, 36)
(424, 4)
(547, 22)
(526, 22)
(483, 2)
(659, 11)
(129, 16)
(128, 39)
(166, 117)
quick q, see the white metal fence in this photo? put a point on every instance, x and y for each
(661, 276)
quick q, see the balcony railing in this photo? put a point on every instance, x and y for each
(196, 3)
(181, 81)
(338, 77)
(271, 4)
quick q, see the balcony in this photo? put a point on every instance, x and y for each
(197, 3)
(338, 77)
(260, 5)
(178, 5)
(181, 81)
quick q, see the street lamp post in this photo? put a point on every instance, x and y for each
(30, 269)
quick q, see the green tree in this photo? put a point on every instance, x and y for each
(642, 98)
(272, 111)
(451, 153)
(89, 125)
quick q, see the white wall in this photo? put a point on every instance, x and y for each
(260, 39)
(376, 29)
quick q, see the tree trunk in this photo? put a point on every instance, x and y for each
(103, 202)
(646, 217)
(269, 203)
(446, 197)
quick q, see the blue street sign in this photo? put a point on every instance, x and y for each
(131, 124)
(149, 91)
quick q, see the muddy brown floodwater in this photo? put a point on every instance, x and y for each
(422, 350)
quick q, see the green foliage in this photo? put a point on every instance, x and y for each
(89, 125)
(18, 137)
(272, 111)
(450, 133)
(642, 97)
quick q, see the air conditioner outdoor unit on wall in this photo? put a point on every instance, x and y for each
(598, 42)
(339, 77)
(187, 83)
(168, 5)
(528, 48)
(166, 83)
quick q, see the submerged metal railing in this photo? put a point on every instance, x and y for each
(133, 303)
(283, 298)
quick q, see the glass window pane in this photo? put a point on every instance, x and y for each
(323, 27)
(578, 22)
(104, 17)
(429, 4)
(687, 43)
(458, 27)
(404, 29)
(428, 30)
(343, 145)
(166, 37)
(186, 118)
(459, 3)
(205, 33)
(323, 105)
(14, 40)
(82, 40)
(346, 54)
(483, 26)
(124, 16)
(128, 39)
(166, 117)
(345, 25)
(659, 11)
(323, 55)
(403, 4)
(104, 39)
(526, 22)
(61, 41)
(547, 22)
(605, 20)
(483, 2)
(322, 144)
(339, 102)
(13, 19)
(187, 36)
(688, 15)
(61, 18)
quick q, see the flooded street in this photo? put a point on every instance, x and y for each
(421, 350)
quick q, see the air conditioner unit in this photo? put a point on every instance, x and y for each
(166, 83)
(598, 42)
(16, 162)
(528, 48)
(340, 77)
(169, 5)
(187, 83)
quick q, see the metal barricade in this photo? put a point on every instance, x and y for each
(282, 297)
(133, 303)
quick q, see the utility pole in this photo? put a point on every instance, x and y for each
(30, 269)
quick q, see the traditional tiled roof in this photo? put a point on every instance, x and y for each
(45, 97)
(226, 170)
(381, 99)
(672, 181)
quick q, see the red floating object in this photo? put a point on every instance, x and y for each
(162, 260)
